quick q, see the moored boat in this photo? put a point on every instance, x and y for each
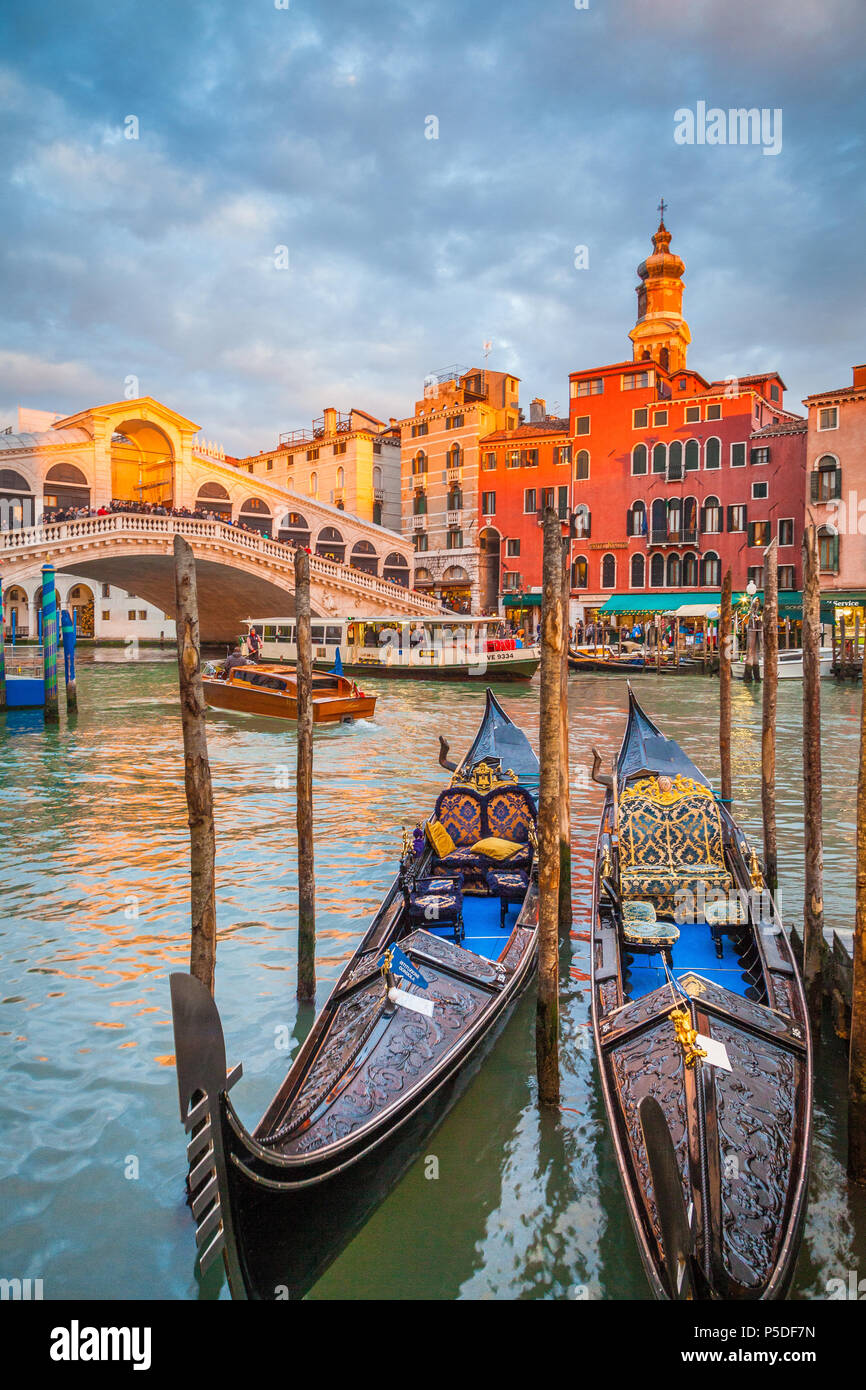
(416, 1009)
(592, 657)
(448, 647)
(272, 691)
(790, 664)
(701, 1032)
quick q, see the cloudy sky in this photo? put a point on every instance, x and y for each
(305, 127)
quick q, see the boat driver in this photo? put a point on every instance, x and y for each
(235, 658)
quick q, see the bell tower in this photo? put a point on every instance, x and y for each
(661, 333)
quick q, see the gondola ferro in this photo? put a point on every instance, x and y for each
(700, 1030)
(430, 986)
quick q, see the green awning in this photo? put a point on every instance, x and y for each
(668, 602)
(521, 600)
(852, 598)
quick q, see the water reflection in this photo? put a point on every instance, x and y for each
(95, 891)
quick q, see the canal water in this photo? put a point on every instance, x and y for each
(94, 878)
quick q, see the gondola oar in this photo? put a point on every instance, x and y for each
(676, 1233)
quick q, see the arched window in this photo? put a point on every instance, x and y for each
(675, 459)
(455, 497)
(608, 571)
(660, 458)
(330, 544)
(255, 515)
(453, 456)
(828, 549)
(65, 486)
(659, 526)
(690, 520)
(294, 530)
(693, 455)
(710, 570)
(364, 557)
(690, 571)
(711, 517)
(673, 574)
(64, 473)
(826, 479)
(582, 522)
(396, 568)
(657, 571)
(341, 477)
(377, 478)
(636, 519)
(675, 520)
(419, 462)
(713, 453)
(638, 571)
(638, 459)
(581, 464)
(579, 573)
(314, 485)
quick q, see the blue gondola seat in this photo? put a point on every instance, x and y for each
(642, 931)
(509, 886)
(437, 902)
(670, 842)
(468, 817)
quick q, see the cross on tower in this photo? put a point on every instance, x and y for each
(662, 206)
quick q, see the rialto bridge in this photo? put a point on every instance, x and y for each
(141, 452)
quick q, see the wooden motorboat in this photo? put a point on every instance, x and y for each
(272, 691)
(701, 1032)
(375, 1075)
(591, 657)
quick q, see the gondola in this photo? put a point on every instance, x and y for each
(603, 659)
(692, 973)
(431, 984)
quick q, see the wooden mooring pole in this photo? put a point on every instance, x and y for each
(49, 644)
(3, 648)
(565, 909)
(813, 840)
(306, 863)
(547, 1006)
(768, 721)
(857, 1049)
(725, 638)
(196, 770)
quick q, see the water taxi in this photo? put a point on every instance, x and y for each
(450, 647)
(272, 691)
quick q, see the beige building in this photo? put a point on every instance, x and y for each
(836, 495)
(351, 462)
(440, 472)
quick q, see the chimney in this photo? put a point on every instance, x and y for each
(537, 411)
(860, 375)
(330, 419)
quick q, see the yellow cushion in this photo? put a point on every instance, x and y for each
(439, 838)
(495, 848)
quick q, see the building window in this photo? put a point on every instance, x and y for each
(710, 570)
(529, 458)
(711, 517)
(738, 455)
(593, 387)
(455, 539)
(761, 455)
(582, 521)
(106, 591)
(488, 503)
(786, 531)
(131, 614)
(760, 491)
(419, 462)
(455, 498)
(634, 381)
(608, 571)
(511, 579)
(142, 615)
(421, 541)
(311, 454)
(314, 484)
(660, 417)
(713, 453)
(690, 571)
(581, 464)
(512, 545)
(657, 571)
(581, 424)
(693, 456)
(421, 428)
(547, 497)
(636, 519)
(755, 575)
(828, 418)
(454, 422)
(580, 573)
(693, 414)
(660, 458)
(828, 550)
(640, 418)
(562, 453)
(338, 449)
(529, 501)
(638, 459)
(787, 577)
(489, 462)
(826, 480)
(419, 503)
(673, 574)
(106, 615)
(737, 517)
(453, 458)
(638, 571)
(675, 461)
(759, 533)
(714, 412)
(562, 503)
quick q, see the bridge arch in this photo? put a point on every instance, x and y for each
(213, 497)
(256, 515)
(364, 557)
(294, 529)
(396, 568)
(66, 485)
(330, 544)
(142, 463)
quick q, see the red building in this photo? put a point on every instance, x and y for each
(674, 478)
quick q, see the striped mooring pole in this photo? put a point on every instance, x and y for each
(2, 651)
(67, 629)
(49, 643)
